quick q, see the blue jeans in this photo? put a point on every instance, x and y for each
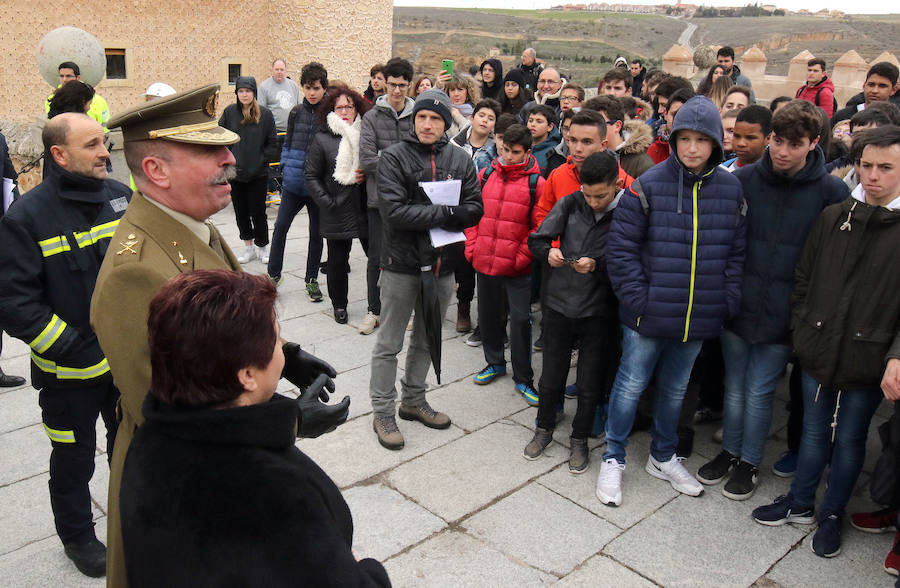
(291, 204)
(641, 356)
(751, 373)
(853, 417)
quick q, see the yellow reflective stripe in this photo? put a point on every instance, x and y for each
(696, 220)
(60, 436)
(49, 335)
(70, 373)
(104, 231)
(54, 245)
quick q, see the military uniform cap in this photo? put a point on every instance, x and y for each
(186, 117)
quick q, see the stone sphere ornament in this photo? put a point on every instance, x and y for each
(705, 57)
(75, 45)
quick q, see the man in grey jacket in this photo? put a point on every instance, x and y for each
(725, 58)
(385, 124)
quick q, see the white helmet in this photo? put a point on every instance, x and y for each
(159, 89)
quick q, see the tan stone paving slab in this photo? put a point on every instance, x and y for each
(351, 453)
(25, 512)
(19, 407)
(469, 473)
(723, 547)
(601, 570)
(455, 559)
(385, 522)
(472, 406)
(345, 352)
(563, 429)
(99, 484)
(43, 563)
(25, 453)
(536, 517)
(355, 384)
(458, 360)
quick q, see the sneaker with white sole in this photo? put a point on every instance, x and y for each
(263, 254)
(674, 473)
(609, 482)
(369, 324)
(248, 255)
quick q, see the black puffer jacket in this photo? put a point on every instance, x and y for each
(382, 127)
(407, 212)
(258, 145)
(342, 208)
(846, 311)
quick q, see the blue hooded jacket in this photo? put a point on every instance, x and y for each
(301, 128)
(676, 244)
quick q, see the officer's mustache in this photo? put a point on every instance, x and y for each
(228, 173)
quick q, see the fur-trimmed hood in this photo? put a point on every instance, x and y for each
(347, 161)
(637, 137)
(645, 109)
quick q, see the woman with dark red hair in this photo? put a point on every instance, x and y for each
(214, 491)
(337, 184)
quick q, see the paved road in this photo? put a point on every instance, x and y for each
(461, 507)
(685, 38)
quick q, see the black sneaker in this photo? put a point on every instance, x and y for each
(782, 511)
(715, 471)
(827, 540)
(89, 557)
(539, 344)
(743, 482)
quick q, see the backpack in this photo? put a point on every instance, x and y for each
(834, 107)
(532, 182)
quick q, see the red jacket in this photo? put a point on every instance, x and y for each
(498, 244)
(563, 181)
(825, 92)
(659, 150)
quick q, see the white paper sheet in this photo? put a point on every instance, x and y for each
(444, 193)
(8, 186)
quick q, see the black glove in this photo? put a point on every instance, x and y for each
(301, 368)
(453, 222)
(317, 418)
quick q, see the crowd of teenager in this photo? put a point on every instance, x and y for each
(685, 245)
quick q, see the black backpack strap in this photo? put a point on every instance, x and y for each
(532, 187)
(484, 177)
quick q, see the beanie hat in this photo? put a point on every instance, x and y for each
(435, 101)
(516, 75)
(248, 82)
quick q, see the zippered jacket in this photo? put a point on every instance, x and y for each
(677, 240)
(302, 126)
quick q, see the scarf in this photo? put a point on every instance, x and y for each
(347, 161)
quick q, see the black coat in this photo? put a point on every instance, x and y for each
(407, 212)
(342, 208)
(846, 311)
(258, 145)
(781, 211)
(6, 168)
(224, 498)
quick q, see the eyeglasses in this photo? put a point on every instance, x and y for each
(403, 87)
(842, 133)
(345, 107)
(568, 99)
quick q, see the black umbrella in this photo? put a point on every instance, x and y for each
(431, 314)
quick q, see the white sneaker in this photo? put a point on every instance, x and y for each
(609, 482)
(263, 254)
(248, 255)
(369, 324)
(673, 472)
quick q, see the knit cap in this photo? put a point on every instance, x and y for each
(436, 101)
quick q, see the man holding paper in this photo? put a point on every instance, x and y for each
(414, 271)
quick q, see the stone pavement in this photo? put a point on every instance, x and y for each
(461, 507)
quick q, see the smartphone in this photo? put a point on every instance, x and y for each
(447, 66)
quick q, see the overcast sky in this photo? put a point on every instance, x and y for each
(858, 6)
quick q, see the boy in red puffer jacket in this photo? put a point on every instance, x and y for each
(498, 249)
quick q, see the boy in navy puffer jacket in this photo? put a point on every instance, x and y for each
(675, 257)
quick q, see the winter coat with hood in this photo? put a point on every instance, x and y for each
(498, 244)
(659, 150)
(633, 152)
(846, 312)
(494, 91)
(542, 150)
(853, 106)
(781, 211)
(258, 145)
(557, 156)
(740, 79)
(302, 126)
(677, 240)
(382, 127)
(821, 94)
(563, 181)
(580, 234)
(531, 74)
(204, 503)
(406, 210)
(331, 180)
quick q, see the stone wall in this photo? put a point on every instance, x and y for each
(187, 43)
(848, 73)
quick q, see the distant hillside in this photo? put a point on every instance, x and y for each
(583, 45)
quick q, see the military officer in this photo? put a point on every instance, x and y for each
(178, 156)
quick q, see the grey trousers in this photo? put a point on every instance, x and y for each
(400, 294)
